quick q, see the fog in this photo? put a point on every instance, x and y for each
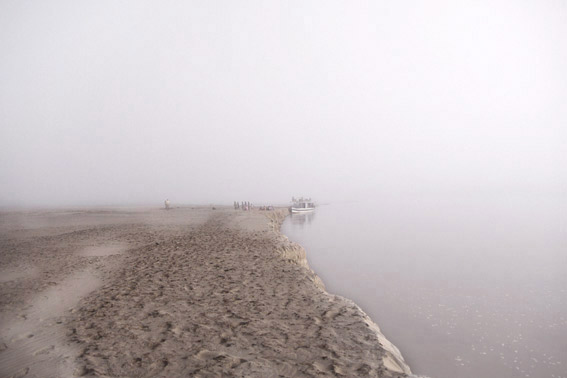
(132, 102)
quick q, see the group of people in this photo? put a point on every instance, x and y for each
(246, 206)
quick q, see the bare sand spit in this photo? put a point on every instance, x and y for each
(185, 292)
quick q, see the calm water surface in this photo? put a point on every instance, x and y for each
(465, 288)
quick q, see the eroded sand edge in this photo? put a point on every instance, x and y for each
(293, 252)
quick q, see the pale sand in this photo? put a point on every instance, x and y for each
(185, 292)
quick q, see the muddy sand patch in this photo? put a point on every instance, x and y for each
(103, 250)
(34, 342)
(7, 275)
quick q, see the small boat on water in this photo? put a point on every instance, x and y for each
(301, 205)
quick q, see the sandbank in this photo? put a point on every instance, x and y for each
(187, 292)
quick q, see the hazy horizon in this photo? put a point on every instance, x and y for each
(106, 103)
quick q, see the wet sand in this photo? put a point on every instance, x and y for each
(185, 292)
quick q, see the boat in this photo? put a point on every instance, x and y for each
(301, 205)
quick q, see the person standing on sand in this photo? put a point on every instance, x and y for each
(167, 204)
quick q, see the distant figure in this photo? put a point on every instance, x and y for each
(167, 204)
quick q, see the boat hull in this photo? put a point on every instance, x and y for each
(302, 209)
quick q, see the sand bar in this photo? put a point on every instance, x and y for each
(184, 292)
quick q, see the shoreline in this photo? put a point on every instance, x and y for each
(190, 291)
(295, 253)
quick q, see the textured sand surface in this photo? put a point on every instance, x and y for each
(185, 292)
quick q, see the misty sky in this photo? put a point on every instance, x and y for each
(130, 102)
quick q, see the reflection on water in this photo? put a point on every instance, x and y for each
(463, 288)
(300, 219)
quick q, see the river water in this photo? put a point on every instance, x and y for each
(463, 287)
